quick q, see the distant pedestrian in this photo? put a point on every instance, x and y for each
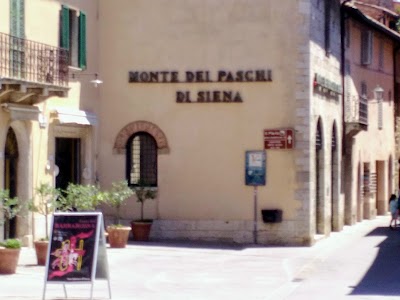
(393, 206)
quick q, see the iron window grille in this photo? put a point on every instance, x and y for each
(142, 160)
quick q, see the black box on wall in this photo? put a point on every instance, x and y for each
(271, 215)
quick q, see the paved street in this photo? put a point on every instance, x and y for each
(361, 262)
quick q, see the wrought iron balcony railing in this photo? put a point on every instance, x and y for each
(33, 62)
(356, 110)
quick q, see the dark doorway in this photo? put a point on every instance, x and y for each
(68, 160)
(319, 215)
(10, 178)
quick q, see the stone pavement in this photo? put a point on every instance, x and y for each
(147, 271)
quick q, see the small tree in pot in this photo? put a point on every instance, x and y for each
(141, 228)
(10, 248)
(116, 197)
(46, 203)
(9, 207)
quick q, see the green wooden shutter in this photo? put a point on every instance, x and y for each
(17, 18)
(64, 30)
(82, 40)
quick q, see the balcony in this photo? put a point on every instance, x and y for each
(30, 72)
(356, 114)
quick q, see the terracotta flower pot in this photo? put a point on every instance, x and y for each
(41, 252)
(118, 236)
(141, 230)
(9, 260)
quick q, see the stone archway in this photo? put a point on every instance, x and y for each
(139, 126)
(21, 130)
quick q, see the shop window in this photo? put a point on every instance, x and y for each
(369, 182)
(73, 35)
(141, 150)
(366, 179)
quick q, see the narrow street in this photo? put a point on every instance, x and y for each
(365, 267)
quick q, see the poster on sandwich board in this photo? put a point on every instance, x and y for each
(77, 250)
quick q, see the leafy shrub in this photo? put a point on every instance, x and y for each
(78, 197)
(11, 244)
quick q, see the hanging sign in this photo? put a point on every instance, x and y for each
(255, 168)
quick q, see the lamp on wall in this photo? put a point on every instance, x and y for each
(378, 93)
(43, 122)
(96, 81)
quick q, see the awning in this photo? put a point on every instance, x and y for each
(75, 116)
(22, 111)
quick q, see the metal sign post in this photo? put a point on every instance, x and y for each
(255, 229)
(255, 176)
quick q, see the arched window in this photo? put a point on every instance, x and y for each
(141, 160)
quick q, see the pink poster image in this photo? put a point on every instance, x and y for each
(72, 248)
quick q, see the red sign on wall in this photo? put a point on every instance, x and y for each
(279, 138)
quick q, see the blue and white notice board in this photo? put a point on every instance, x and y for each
(255, 167)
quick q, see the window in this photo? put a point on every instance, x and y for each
(347, 34)
(73, 35)
(327, 27)
(363, 105)
(366, 47)
(17, 42)
(17, 18)
(141, 150)
(366, 179)
(364, 90)
(381, 54)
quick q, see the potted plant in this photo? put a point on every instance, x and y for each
(10, 248)
(10, 206)
(118, 234)
(79, 197)
(45, 204)
(9, 255)
(141, 228)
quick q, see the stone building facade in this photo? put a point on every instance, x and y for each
(303, 94)
(369, 59)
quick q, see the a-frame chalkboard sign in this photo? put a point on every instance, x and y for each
(77, 251)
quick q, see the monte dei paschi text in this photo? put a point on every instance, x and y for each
(222, 76)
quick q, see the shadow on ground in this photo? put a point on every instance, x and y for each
(205, 245)
(191, 245)
(383, 277)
